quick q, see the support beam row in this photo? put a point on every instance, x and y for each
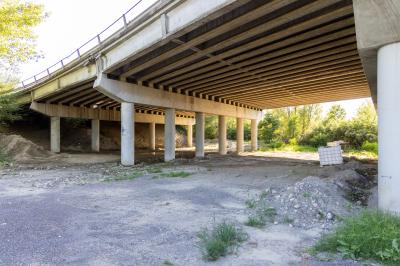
(128, 134)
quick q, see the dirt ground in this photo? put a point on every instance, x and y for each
(63, 212)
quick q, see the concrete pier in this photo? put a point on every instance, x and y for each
(254, 135)
(127, 134)
(189, 137)
(96, 135)
(200, 121)
(169, 135)
(221, 135)
(388, 127)
(239, 135)
(152, 136)
(55, 134)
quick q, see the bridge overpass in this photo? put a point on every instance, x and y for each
(182, 59)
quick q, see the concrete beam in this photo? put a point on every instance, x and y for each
(55, 145)
(239, 135)
(377, 24)
(200, 122)
(101, 114)
(222, 135)
(169, 135)
(127, 134)
(128, 92)
(95, 135)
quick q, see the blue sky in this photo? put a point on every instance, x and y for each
(72, 22)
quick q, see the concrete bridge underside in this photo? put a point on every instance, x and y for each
(181, 60)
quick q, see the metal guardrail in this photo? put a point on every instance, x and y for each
(121, 22)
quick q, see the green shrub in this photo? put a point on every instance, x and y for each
(256, 221)
(370, 146)
(221, 240)
(372, 235)
(176, 174)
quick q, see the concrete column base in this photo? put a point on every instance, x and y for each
(95, 135)
(222, 135)
(239, 135)
(189, 137)
(254, 135)
(55, 143)
(389, 127)
(200, 123)
(169, 135)
(152, 136)
(127, 134)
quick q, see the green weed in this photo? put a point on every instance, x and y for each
(372, 235)
(168, 262)
(221, 240)
(176, 174)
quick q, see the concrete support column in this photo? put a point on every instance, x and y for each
(55, 134)
(254, 135)
(96, 135)
(239, 135)
(169, 135)
(127, 133)
(389, 127)
(189, 136)
(152, 136)
(200, 123)
(221, 135)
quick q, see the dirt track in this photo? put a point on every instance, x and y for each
(57, 214)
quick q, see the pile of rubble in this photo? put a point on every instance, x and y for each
(323, 202)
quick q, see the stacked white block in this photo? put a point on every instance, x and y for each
(330, 155)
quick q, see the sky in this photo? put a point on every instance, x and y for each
(71, 23)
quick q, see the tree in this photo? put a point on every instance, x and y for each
(17, 40)
(268, 128)
(335, 115)
(17, 45)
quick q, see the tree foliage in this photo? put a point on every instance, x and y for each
(17, 40)
(304, 125)
(17, 45)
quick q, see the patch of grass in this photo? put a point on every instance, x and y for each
(154, 170)
(222, 239)
(372, 235)
(256, 221)
(4, 159)
(263, 215)
(288, 147)
(125, 176)
(360, 154)
(251, 203)
(168, 262)
(176, 174)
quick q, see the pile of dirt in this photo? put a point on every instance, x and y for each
(17, 148)
(312, 202)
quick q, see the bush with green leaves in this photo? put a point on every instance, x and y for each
(372, 235)
(9, 108)
(222, 239)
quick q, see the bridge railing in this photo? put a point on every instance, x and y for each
(120, 23)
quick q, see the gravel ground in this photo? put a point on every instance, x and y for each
(68, 215)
